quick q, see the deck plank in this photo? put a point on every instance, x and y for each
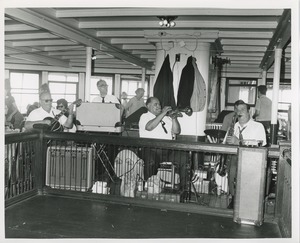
(60, 217)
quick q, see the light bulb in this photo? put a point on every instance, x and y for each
(161, 23)
(172, 24)
(165, 22)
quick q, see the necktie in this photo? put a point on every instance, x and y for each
(163, 126)
(103, 100)
(240, 134)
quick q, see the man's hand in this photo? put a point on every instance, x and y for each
(46, 121)
(232, 140)
(166, 109)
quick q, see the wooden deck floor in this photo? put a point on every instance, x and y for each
(60, 217)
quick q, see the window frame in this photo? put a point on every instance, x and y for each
(22, 93)
(137, 80)
(227, 103)
(63, 96)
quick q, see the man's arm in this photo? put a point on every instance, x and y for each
(29, 124)
(69, 122)
(176, 129)
(155, 121)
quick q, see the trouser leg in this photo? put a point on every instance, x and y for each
(232, 172)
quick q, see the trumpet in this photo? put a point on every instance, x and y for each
(177, 112)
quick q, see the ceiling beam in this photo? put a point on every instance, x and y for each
(28, 53)
(242, 24)
(26, 36)
(280, 39)
(122, 12)
(42, 22)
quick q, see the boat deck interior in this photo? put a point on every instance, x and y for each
(62, 217)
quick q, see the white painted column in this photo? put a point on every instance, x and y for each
(264, 77)
(7, 73)
(88, 71)
(203, 56)
(81, 87)
(190, 125)
(45, 77)
(151, 85)
(117, 87)
(275, 94)
(143, 77)
(276, 80)
(160, 57)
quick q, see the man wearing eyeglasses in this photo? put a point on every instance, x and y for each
(155, 123)
(46, 110)
(104, 97)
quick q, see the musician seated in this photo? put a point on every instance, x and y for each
(45, 114)
(244, 129)
(231, 118)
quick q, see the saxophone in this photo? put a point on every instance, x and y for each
(223, 165)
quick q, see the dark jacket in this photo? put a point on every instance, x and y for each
(163, 87)
(186, 85)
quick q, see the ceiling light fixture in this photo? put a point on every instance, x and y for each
(167, 21)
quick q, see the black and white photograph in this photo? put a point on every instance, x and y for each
(159, 121)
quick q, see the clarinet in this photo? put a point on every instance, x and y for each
(223, 165)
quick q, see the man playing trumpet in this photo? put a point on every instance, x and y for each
(156, 123)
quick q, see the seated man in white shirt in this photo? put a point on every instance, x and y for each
(46, 110)
(244, 129)
(104, 97)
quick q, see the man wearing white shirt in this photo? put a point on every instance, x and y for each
(38, 115)
(155, 123)
(244, 129)
(104, 97)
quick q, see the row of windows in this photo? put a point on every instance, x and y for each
(25, 87)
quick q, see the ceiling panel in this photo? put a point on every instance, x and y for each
(128, 35)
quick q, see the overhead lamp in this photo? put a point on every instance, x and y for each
(167, 21)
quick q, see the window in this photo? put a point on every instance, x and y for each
(130, 84)
(25, 89)
(94, 92)
(240, 89)
(63, 86)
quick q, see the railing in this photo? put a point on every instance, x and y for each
(284, 188)
(20, 161)
(116, 167)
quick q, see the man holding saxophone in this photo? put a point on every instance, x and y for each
(244, 129)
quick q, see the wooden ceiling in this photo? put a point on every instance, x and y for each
(55, 39)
